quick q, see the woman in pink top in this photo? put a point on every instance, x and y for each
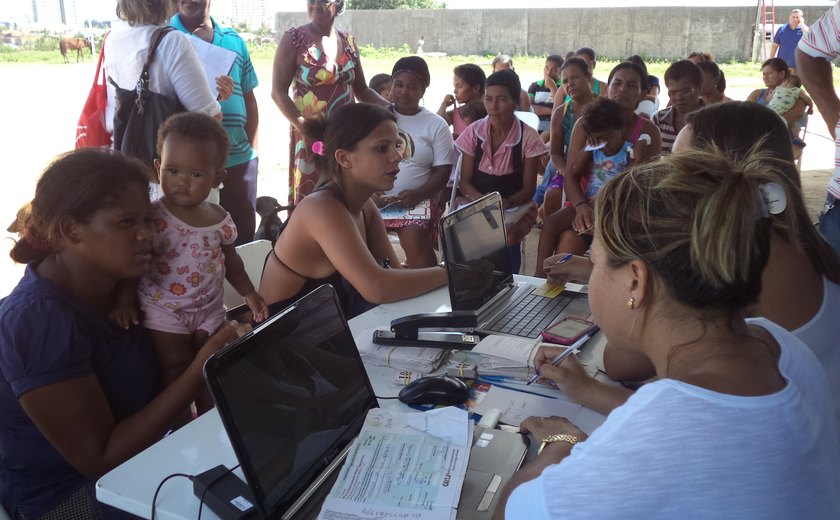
(468, 87)
(502, 154)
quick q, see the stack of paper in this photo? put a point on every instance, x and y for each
(517, 406)
(416, 359)
(403, 465)
(506, 356)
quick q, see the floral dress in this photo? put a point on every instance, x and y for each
(320, 86)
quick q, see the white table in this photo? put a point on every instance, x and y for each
(203, 443)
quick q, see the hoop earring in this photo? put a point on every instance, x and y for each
(631, 303)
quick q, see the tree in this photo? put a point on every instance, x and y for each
(395, 4)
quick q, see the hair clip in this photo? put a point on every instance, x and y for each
(772, 199)
(318, 148)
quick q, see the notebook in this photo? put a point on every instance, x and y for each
(293, 394)
(480, 275)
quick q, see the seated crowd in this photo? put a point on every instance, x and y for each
(687, 221)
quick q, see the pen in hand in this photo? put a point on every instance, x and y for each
(565, 258)
(559, 358)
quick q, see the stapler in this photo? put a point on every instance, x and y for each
(408, 327)
(450, 330)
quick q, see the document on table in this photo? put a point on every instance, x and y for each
(403, 465)
(217, 61)
(517, 406)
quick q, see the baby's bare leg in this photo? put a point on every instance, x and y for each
(174, 353)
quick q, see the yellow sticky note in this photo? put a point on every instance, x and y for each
(549, 291)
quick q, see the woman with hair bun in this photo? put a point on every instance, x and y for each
(738, 422)
(799, 257)
(336, 235)
(79, 395)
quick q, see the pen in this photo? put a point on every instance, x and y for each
(563, 260)
(494, 379)
(559, 358)
(586, 230)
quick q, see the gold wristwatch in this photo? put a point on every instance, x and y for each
(571, 439)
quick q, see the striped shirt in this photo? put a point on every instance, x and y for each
(666, 121)
(234, 115)
(823, 41)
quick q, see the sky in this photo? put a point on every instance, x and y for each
(104, 9)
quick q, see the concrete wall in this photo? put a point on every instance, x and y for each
(653, 32)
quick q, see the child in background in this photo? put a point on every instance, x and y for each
(784, 97)
(607, 155)
(381, 83)
(192, 248)
(468, 88)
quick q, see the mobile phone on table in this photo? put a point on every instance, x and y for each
(568, 330)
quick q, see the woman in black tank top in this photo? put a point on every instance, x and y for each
(335, 234)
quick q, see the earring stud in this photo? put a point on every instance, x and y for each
(631, 303)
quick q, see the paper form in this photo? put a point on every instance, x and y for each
(408, 466)
(517, 406)
(216, 60)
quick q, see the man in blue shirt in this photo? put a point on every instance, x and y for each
(787, 38)
(240, 116)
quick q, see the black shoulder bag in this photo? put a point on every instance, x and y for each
(140, 112)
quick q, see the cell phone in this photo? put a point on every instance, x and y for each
(454, 340)
(568, 330)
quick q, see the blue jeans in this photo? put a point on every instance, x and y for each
(830, 222)
(239, 198)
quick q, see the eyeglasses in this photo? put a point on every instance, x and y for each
(681, 93)
(327, 3)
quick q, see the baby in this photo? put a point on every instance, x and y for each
(192, 249)
(785, 97)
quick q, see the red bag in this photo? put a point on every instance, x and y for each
(90, 130)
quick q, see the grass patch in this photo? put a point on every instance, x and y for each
(378, 60)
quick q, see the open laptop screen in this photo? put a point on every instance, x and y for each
(475, 252)
(291, 394)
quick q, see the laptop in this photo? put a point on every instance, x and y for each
(293, 394)
(478, 267)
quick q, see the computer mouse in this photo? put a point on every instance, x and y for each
(443, 390)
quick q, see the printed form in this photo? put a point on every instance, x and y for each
(405, 466)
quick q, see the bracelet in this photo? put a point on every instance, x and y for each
(581, 202)
(571, 439)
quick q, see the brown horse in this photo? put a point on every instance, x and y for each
(74, 44)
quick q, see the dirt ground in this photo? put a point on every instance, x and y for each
(41, 103)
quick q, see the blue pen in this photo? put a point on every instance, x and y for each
(517, 388)
(494, 379)
(562, 260)
(559, 358)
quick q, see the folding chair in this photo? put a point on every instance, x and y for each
(529, 118)
(253, 256)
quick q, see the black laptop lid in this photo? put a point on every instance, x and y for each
(291, 395)
(475, 252)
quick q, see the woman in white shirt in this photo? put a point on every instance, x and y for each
(739, 423)
(425, 166)
(176, 70)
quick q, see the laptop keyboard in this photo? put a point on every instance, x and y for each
(530, 315)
